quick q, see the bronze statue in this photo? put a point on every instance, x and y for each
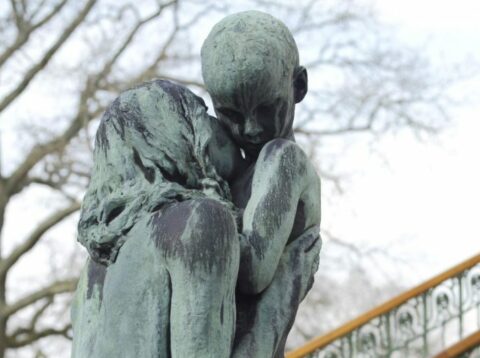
(203, 233)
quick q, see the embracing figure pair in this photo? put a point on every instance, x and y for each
(203, 232)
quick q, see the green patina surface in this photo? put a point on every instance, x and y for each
(197, 250)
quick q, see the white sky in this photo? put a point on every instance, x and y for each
(424, 203)
(426, 200)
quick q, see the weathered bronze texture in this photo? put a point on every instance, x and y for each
(203, 233)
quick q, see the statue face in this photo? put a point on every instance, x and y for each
(251, 69)
(256, 114)
(223, 151)
(260, 110)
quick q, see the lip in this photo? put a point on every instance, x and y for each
(259, 140)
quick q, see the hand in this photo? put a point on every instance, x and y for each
(270, 314)
(301, 259)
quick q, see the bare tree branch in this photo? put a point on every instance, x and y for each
(342, 243)
(109, 65)
(153, 70)
(26, 29)
(18, 177)
(35, 236)
(48, 292)
(377, 85)
(162, 55)
(25, 338)
(38, 313)
(19, 20)
(37, 153)
(34, 12)
(48, 302)
(55, 10)
(329, 132)
(33, 71)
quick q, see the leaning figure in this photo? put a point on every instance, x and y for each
(196, 250)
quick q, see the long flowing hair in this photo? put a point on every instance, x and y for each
(150, 150)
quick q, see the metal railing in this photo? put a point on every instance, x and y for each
(466, 348)
(417, 323)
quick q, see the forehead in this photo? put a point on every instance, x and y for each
(250, 55)
(248, 87)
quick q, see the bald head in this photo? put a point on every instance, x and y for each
(251, 70)
(247, 48)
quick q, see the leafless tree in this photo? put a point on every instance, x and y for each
(81, 54)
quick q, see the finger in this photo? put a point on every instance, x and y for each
(305, 240)
(313, 244)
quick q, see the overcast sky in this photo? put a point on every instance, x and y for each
(425, 200)
(419, 199)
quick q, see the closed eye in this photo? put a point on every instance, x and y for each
(268, 109)
(231, 115)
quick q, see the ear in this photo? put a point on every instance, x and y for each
(300, 83)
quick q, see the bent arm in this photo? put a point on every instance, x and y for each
(264, 322)
(283, 176)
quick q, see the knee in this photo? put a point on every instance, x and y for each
(284, 156)
(280, 148)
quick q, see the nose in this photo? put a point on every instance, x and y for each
(252, 128)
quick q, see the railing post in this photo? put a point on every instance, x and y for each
(351, 347)
(389, 335)
(425, 323)
(478, 315)
(460, 302)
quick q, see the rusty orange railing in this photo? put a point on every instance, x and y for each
(464, 347)
(405, 322)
